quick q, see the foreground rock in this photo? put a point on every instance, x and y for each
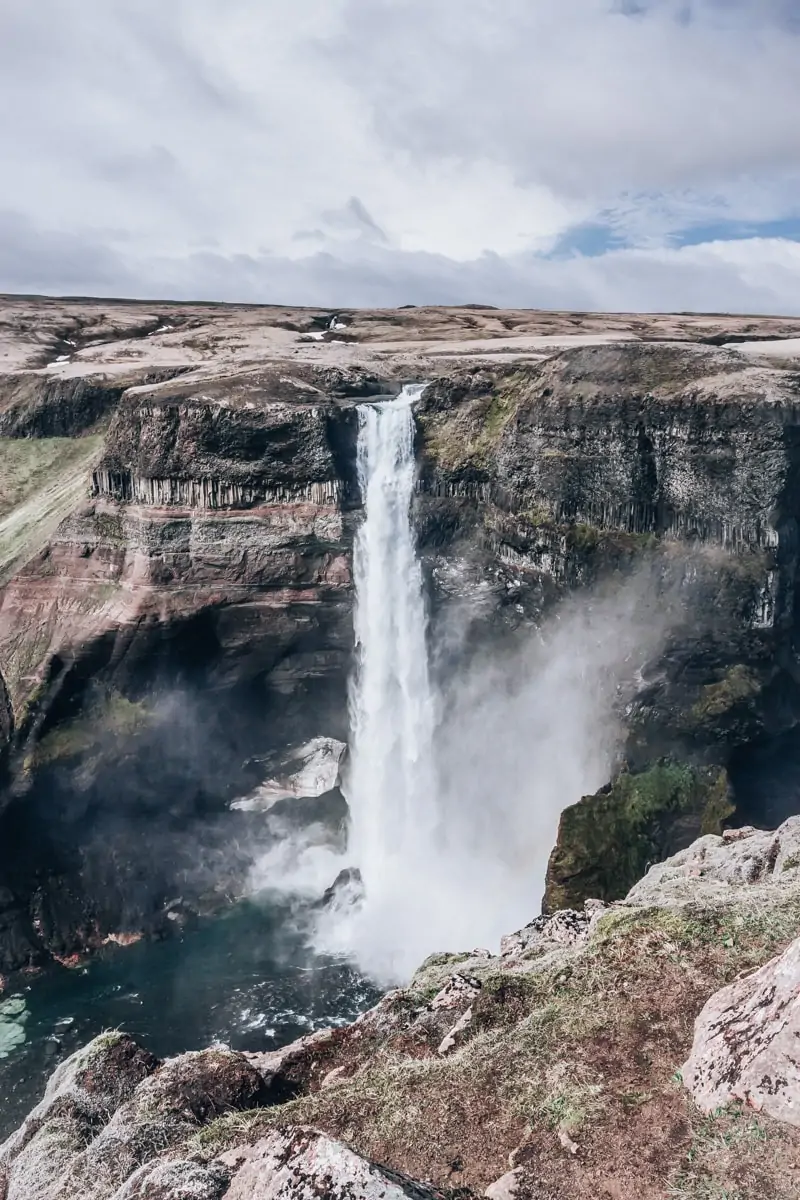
(745, 1043)
(304, 1163)
(111, 1108)
(114, 1122)
(718, 869)
(548, 1070)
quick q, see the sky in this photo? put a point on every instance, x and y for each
(587, 154)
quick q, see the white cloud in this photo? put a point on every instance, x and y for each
(364, 147)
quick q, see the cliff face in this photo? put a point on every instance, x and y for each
(607, 461)
(172, 627)
(177, 504)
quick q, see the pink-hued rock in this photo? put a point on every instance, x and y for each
(304, 1164)
(747, 1043)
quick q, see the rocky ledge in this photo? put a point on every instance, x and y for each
(641, 1049)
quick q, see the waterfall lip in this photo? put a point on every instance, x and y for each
(406, 397)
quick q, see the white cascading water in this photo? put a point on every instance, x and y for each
(391, 789)
(455, 792)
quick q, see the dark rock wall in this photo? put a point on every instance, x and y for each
(195, 611)
(609, 460)
(191, 615)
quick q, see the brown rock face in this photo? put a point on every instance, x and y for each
(167, 631)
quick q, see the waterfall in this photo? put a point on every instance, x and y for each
(455, 791)
(391, 787)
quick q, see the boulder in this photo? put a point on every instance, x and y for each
(569, 927)
(745, 1043)
(308, 772)
(110, 1110)
(79, 1100)
(715, 868)
(346, 891)
(459, 992)
(304, 1164)
(185, 1092)
(179, 1180)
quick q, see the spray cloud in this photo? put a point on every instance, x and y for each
(455, 792)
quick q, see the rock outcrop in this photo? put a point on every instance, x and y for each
(304, 1162)
(624, 460)
(745, 1043)
(551, 1069)
(114, 1121)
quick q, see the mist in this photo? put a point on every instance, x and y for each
(520, 736)
(457, 778)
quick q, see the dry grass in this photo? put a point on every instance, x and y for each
(588, 1051)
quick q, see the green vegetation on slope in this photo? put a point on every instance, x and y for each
(585, 1049)
(607, 841)
(110, 719)
(41, 480)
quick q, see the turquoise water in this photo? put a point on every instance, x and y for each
(246, 979)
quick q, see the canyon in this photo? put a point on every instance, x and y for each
(178, 506)
(503, 604)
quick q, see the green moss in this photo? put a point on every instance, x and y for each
(109, 526)
(28, 464)
(718, 806)
(746, 935)
(738, 686)
(537, 516)
(435, 971)
(112, 717)
(583, 538)
(606, 841)
(467, 435)
(589, 539)
(41, 481)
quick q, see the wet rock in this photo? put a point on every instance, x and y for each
(304, 1164)
(309, 772)
(13, 1018)
(745, 1043)
(607, 841)
(346, 890)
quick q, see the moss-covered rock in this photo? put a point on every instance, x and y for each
(607, 841)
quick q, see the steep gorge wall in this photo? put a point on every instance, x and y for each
(601, 462)
(189, 615)
(194, 609)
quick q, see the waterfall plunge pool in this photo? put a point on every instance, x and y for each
(246, 979)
